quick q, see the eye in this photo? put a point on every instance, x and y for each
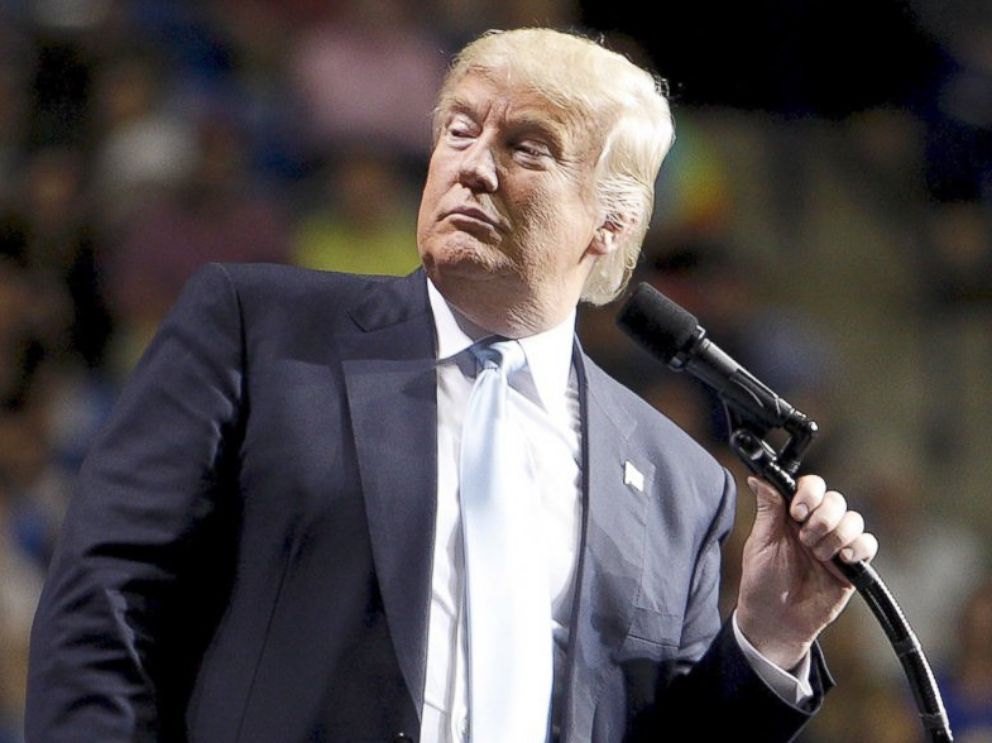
(532, 150)
(460, 129)
(529, 149)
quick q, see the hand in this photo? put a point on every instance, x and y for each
(789, 589)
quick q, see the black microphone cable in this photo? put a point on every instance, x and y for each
(672, 334)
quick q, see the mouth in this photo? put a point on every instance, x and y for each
(473, 215)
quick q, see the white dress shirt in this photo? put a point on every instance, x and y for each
(544, 397)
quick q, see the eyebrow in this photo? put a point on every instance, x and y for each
(551, 129)
(452, 103)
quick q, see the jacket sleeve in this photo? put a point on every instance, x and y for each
(712, 692)
(132, 590)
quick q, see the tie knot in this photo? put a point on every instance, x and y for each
(507, 355)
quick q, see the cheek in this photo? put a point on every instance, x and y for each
(556, 219)
(537, 207)
(545, 222)
(441, 174)
(429, 198)
(432, 186)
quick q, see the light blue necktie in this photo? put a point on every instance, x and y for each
(507, 594)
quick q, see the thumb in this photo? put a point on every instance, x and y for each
(771, 506)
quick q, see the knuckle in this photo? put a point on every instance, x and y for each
(871, 545)
(824, 550)
(850, 527)
(836, 501)
(817, 523)
(835, 540)
(856, 523)
(825, 518)
(814, 485)
(864, 547)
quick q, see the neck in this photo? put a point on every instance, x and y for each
(510, 314)
(510, 304)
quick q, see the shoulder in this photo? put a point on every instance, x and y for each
(272, 282)
(277, 312)
(262, 293)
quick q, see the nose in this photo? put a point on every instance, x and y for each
(477, 169)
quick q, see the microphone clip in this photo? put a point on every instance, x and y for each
(749, 438)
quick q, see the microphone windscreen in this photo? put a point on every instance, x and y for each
(657, 323)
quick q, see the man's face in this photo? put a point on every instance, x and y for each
(510, 196)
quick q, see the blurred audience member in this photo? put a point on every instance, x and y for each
(35, 490)
(13, 109)
(463, 20)
(967, 686)
(216, 214)
(48, 236)
(144, 149)
(259, 35)
(364, 221)
(24, 333)
(959, 119)
(20, 575)
(368, 78)
(960, 266)
(931, 563)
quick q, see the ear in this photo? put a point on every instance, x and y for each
(607, 237)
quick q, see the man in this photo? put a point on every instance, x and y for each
(268, 541)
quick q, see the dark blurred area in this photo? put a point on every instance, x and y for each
(826, 213)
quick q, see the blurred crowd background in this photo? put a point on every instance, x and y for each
(826, 212)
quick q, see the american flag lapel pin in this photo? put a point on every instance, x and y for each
(633, 477)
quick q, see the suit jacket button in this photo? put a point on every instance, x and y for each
(402, 738)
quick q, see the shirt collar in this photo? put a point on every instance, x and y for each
(549, 353)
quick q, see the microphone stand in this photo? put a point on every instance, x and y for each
(748, 440)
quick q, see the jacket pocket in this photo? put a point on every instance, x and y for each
(653, 634)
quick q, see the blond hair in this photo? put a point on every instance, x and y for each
(597, 85)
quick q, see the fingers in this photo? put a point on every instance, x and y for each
(808, 497)
(865, 547)
(824, 520)
(828, 527)
(847, 529)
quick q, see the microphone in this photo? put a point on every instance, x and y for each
(672, 334)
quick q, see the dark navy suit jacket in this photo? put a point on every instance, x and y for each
(248, 555)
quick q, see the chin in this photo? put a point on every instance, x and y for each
(468, 259)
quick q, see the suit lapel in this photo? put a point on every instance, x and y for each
(612, 550)
(390, 375)
(391, 385)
